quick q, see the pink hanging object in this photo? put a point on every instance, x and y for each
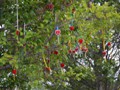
(57, 32)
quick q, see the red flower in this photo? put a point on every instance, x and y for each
(55, 52)
(50, 6)
(80, 41)
(57, 32)
(104, 53)
(109, 44)
(17, 32)
(14, 71)
(72, 28)
(62, 65)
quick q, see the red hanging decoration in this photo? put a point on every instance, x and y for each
(57, 32)
(14, 71)
(69, 51)
(17, 32)
(55, 52)
(84, 49)
(62, 65)
(109, 44)
(50, 6)
(76, 49)
(73, 51)
(80, 41)
(104, 53)
(48, 61)
(72, 28)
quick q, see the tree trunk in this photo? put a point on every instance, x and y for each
(100, 86)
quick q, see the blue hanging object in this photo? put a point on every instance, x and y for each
(57, 28)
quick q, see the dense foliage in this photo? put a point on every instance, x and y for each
(85, 56)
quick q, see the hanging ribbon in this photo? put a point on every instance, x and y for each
(17, 31)
(44, 60)
(69, 44)
(72, 17)
(58, 39)
(17, 14)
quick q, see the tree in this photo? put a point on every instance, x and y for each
(85, 56)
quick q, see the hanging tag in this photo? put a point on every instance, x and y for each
(44, 59)
(58, 39)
